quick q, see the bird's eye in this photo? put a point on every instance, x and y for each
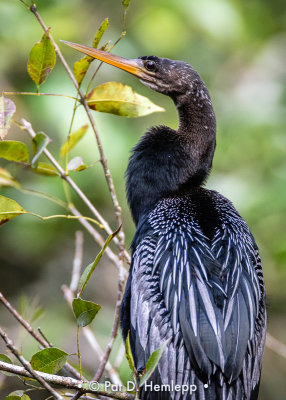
(150, 65)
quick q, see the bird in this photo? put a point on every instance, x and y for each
(196, 283)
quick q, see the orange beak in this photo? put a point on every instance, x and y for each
(131, 66)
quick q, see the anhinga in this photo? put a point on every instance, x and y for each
(196, 276)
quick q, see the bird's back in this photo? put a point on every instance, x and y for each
(196, 280)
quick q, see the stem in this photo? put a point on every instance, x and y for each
(28, 128)
(44, 337)
(98, 238)
(27, 365)
(64, 381)
(275, 345)
(44, 196)
(50, 216)
(114, 331)
(39, 94)
(87, 332)
(77, 261)
(78, 352)
(32, 332)
(83, 101)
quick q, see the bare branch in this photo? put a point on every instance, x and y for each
(27, 365)
(87, 332)
(83, 101)
(275, 345)
(77, 396)
(104, 358)
(85, 398)
(23, 322)
(33, 333)
(77, 262)
(98, 238)
(120, 356)
(28, 128)
(67, 382)
(44, 337)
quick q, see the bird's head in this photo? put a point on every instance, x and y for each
(173, 78)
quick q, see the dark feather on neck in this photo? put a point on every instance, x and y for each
(166, 162)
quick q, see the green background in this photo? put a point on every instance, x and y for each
(238, 47)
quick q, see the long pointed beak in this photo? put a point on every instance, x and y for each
(131, 66)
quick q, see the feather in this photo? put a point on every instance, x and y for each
(207, 295)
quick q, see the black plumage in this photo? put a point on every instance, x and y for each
(196, 277)
(196, 274)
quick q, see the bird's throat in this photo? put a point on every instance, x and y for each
(168, 163)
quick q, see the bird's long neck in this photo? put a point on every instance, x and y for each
(166, 162)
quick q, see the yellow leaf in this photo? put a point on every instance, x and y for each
(7, 109)
(9, 209)
(42, 60)
(13, 150)
(116, 98)
(6, 179)
(73, 139)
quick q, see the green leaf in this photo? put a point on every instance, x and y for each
(116, 98)
(6, 179)
(9, 209)
(7, 109)
(45, 169)
(91, 267)
(104, 25)
(13, 150)
(81, 66)
(85, 311)
(128, 353)
(42, 60)
(40, 142)
(125, 3)
(76, 164)
(49, 360)
(17, 395)
(73, 139)
(6, 359)
(152, 363)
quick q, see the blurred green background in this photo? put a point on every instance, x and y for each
(238, 47)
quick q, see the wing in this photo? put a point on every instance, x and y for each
(208, 296)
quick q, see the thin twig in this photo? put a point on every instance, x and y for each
(87, 332)
(28, 128)
(114, 332)
(44, 337)
(121, 239)
(275, 345)
(22, 321)
(39, 94)
(76, 396)
(103, 159)
(67, 382)
(98, 238)
(27, 365)
(120, 356)
(85, 398)
(77, 261)
(33, 333)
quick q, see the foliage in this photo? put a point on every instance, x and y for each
(42, 60)
(7, 109)
(238, 49)
(49, 360)
(116, 98)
